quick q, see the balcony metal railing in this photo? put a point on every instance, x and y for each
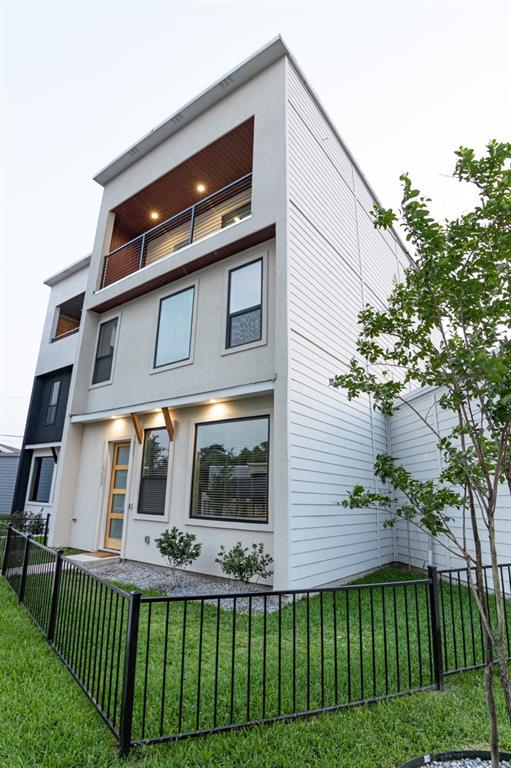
(224, 207)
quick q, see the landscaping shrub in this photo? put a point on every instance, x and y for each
(178, 548)
(244, 563)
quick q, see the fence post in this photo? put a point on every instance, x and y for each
(24, 568)
(128, 685)
(6, 550)
(46, 529)
(55, 589)
(434, 605)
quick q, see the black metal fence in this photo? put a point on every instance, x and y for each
(165, 668)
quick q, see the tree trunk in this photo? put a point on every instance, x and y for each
(492, 713)
(488, 670)
(501, 622)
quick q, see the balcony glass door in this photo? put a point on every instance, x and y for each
(117, 496)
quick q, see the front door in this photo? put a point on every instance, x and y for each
(117, 496)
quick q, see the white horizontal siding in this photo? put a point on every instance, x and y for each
(414, 445)
(337, 262)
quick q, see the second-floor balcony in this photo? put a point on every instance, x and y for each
(207, 193)
(224, 208)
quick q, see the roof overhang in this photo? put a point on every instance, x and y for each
(241, 74)
(183, 401)
(76, 266)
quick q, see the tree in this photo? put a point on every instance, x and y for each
(448, 325)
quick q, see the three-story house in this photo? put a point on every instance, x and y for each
(184, 370)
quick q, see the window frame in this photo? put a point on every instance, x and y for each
(232, 522)
(234, 213)
(245, 311)
(187, 360)
(254, 255)
(35, 457)
(105, 383)
(144, 515)
(50, 421)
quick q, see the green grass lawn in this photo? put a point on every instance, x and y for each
(47, 721)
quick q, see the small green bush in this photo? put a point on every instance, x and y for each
(244, 563)
(28, 522)
(177, 547)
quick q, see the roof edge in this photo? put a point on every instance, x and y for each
(76, 266)
(242, 73)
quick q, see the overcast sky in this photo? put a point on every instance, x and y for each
(404, 82)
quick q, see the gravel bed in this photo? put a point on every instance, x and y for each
(182, 583)
(466, 762)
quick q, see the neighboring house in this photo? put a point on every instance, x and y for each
(9, 459)
(183, 377)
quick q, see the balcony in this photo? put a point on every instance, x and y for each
(224, 208)
(67, 318)
(207, 193)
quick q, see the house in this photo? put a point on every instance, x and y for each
(9, 458)
(183, 375)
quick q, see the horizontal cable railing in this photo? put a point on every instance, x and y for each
(65, 334)
(224, 207)
(165, 668)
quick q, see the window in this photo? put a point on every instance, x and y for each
(244, 320)
(174, 339)
(41, 479)
(53, 400)
(230, 470)
(155, 465)
(105, 351)
(233, 217)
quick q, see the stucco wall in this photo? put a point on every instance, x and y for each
(134, 378)
(88, 515)
(57, 354)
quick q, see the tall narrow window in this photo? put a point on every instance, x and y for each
(174, 339)
(53, 401)
(105, 351)
(41, 479)
(155, 466)
(230, 470)
(244, 320)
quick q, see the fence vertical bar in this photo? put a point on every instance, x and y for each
(46, 529)
(435, 627)
(55, 590)
(6, 550)
(24, 569)
(128, 685)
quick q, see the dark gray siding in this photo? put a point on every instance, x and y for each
(8, 471)
(37, 430)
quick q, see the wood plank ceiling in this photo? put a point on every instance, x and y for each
(223, 161)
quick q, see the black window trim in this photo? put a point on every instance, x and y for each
(164, 298)
(102, 323)
(232, 519)
(48, 421)
(245, 311)
(35, 475)
(144, 515)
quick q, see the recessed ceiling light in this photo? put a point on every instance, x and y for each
(154, 215)
(200, 187)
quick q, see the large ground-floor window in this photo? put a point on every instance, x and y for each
(230, 470)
